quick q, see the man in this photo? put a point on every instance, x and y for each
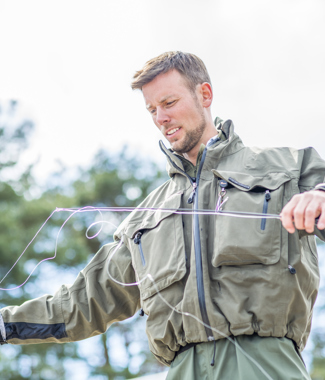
(201, 278)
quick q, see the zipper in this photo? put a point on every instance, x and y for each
(198, 253)
(197, 242)
(265, 207)
(137, 240)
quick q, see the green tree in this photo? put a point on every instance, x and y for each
(111, 180)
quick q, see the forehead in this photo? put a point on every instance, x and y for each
(164, 86)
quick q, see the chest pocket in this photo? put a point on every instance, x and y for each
(242, 241)
(156, 244)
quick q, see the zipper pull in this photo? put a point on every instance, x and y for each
(191, 197)
(292, 269)
(267, 195)
(223, 184)
(265, 207)
(137, 238)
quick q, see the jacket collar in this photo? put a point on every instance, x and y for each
(231, 144)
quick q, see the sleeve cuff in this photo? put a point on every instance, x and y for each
(320, 186)
(3, 335)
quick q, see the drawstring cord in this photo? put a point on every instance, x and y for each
(214, 353)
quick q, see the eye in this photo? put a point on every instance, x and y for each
(170, 103)
(152, 111)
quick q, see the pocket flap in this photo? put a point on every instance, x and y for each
(247, 182)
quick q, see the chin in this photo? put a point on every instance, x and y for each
(176, 148)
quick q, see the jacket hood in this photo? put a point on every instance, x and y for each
(229, 146)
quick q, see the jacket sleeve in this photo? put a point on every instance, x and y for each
(312, 176)
(78, 311)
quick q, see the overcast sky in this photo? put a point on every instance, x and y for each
(70, 63)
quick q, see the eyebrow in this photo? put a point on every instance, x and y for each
(162, 100)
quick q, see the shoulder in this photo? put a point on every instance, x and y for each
(262, 160)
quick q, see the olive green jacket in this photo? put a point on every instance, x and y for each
(239, 276)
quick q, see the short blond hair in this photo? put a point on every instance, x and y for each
(189, 65)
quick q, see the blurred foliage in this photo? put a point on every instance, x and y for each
(318, 363)
(111, 180)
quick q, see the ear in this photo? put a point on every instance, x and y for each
(207, 94)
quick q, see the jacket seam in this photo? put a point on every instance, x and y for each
(312, 252)
(222, 155)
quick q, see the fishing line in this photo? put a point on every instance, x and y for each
(74, 211)
(83, 209)
(27, 248)
(182, 211)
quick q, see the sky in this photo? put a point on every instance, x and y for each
(70, 65)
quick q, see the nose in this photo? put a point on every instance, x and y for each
(162, 116)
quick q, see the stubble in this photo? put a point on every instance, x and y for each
(192, 138)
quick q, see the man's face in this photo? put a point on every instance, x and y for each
(175, 110)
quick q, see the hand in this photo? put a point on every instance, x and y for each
(302, 210)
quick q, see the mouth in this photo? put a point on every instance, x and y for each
(171, 132)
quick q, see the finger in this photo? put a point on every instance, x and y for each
(299, 213)
(312, 211)
(287, 214)
(321, 221)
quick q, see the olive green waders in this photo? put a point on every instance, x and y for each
(277, 357)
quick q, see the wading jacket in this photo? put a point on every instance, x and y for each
(200, 277)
